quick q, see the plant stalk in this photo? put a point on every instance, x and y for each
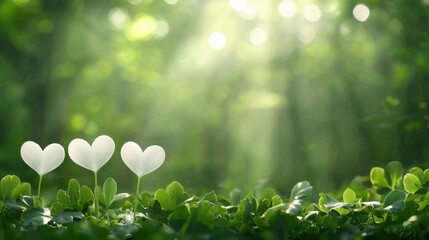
(96, 195)
(137, 197)
(40, 186)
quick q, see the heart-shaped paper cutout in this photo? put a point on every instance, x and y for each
(42, 161)
(94, 156)
(142, 163)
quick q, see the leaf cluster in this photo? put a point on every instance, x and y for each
(389, 204)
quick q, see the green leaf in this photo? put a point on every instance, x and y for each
(201, 218)
(322, 201)
(294, 207)
(411, 183)
(86, 197)
(8, 184)
(419, 173)
(253, 202)
(73, 191)
(22, 189)
(409, 210)
(68, 217)
(57, 208)
(175, 191)
(109, 190)
(276, 200)
(211, 197)
(395, 170)
(378, 178)
(118, 200)
(263, 206)
(36, 216)
(301, 190)
(28, 201)
(342, 211)
(423, 202)
(426, 175)
(181, 212)
(326, 202)
(333, 213)
(164, 199)
(13, 205)
(394, 201)
(247, 212)
(268, 193)
(349, 196)
(64, 199)
(178, 219)
(145, 198)
(272, 212)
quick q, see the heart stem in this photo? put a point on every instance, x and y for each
(40, 186)
(96, 195)
(137, 197)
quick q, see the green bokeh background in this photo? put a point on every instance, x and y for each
(296, 99)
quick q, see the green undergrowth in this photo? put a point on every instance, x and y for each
(391, 203)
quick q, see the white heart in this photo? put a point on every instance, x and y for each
(92, 157)
(42, 161)
(142, 163)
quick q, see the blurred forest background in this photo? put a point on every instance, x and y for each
(237, 92)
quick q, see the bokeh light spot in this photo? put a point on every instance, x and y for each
(287, 8)
(77, 122)
(312, 13)
(250, 12)
(171, 2)
(217, 40)
(246, 9)
(135, 2)
(258, 36)
(238, 5)
(118, 18)
(143, 27)
(361, 12)
(162, 29)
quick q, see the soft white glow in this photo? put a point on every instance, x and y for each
(307, 33)
(287, 8)
(118, 18)
(250, 12)
(217, 40)
(312, 13)
(135, 2)
(258, 36)
(238, 5)
(171, 2)
(142, 28)
(361, 12)
(162, 29)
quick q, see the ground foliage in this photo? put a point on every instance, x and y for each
(389, 204)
